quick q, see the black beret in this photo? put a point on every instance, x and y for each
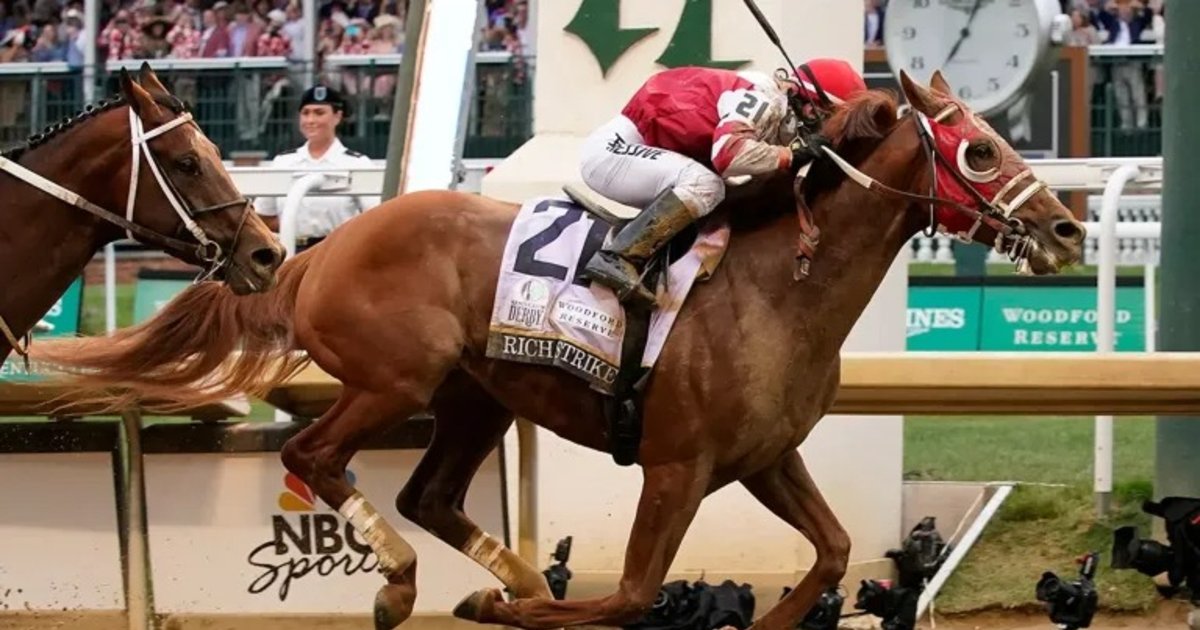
(323, 95)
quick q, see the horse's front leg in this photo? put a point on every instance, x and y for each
(786, 488)
(470, 423)
(671, 494)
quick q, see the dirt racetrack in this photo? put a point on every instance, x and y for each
(1171, 614)
(1168, 615)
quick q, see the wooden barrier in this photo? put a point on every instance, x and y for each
(34, 397)
(1085, 384)
(951, 383)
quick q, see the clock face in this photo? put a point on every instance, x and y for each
(986, 49)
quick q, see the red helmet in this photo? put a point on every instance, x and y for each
(835, 77)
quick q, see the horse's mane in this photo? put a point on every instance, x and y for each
(854, 131)
(868, 116)
(52, 131)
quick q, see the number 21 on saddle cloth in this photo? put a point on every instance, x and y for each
(546, 314)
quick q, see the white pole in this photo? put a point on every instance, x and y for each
(138, 596)
(1106, 307)
(91, 29)
(287, 231)
(1149, 294)
(110, 288)
(308, 12)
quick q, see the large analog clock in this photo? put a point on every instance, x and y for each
(990, 51)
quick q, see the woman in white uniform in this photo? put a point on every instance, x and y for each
(321, 110)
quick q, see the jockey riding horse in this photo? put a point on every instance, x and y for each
(686, 132)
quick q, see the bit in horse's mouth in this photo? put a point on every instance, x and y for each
(1027, 253)
(1032, 258)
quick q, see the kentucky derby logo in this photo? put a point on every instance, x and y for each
(527, 305)
(304, 542)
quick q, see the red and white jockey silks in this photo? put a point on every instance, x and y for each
(690, 129)
(687, 129)
(733, 122)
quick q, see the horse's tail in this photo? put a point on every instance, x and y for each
(205, 345)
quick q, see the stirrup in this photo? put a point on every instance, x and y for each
(610, 270)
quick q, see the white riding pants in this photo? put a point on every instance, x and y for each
(618, 164)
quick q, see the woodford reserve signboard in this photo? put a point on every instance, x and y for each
(1018, 314)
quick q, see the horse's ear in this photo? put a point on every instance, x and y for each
(920, 97)
(939, 84)
(149, 80)
(138, 98)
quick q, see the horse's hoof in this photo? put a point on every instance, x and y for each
(479, 605)
(393, 605)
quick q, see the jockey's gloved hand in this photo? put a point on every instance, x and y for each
(805, 150)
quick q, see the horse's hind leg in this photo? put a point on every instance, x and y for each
(470, 424)
(319, 455)
(389, 388)
(671, 493)
(788, 491)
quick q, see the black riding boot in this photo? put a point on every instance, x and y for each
(618, 265)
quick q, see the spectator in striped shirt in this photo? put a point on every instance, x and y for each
(184, 40)
(273, 43)
(119, 40)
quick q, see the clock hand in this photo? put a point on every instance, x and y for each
(966, 31)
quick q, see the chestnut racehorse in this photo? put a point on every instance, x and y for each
(396, 305)
(68, 191)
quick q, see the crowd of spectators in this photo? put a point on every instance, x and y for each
(53, 30)
(1135, 83)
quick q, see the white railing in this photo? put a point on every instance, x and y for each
(228, 63)
(1138, 218)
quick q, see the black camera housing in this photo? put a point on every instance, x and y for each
(896, 606)
(921, 555)
(917, 560)
(1071, 604)
(826, 613)
(557, 575)
(1179, 559)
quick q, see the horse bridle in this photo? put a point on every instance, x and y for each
(996, 213)
(205, 248)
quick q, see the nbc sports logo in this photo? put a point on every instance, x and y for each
(306, 544)
(298, 497)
